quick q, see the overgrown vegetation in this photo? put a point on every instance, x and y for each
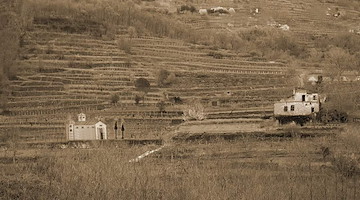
(194, 110)
(342, 97)
(189, 8)
(11, 32)
(125, 45)
(248, 168)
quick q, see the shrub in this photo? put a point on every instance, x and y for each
(194, 110)
(187, 8)
(161, 106)
(142, 84)
(132, 32)
(215, 55)
(137, 99)
(177, 100)
(333, 115)
(346, 165)
(285, 43)
(115, 98)
(125, 45)
(110, 31)
(164, 77)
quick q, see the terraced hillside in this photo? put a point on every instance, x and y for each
(68, 73)
(66, 70)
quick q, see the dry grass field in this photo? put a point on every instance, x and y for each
(322, 167)
(204, 85)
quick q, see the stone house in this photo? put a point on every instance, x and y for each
(300, 104)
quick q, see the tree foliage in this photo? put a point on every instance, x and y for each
(142, 84)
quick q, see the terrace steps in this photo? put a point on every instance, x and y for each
(82, 71)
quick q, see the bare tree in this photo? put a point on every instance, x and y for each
(339, 60)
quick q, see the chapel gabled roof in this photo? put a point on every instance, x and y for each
(89, 122)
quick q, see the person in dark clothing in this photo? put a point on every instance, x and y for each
(116, 128)
(122, 131)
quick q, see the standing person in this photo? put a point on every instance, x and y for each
(116, 129)
(122, 131)
(122, 128)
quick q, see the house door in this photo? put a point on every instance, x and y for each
(101, 132)
(303, 97)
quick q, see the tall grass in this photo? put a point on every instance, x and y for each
(245, 169)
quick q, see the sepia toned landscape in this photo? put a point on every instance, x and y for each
(175, 99)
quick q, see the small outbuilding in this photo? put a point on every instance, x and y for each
(86, 129)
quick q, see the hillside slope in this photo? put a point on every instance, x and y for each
(69, 67)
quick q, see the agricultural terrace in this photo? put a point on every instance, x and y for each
(199, 87)
(86, 57)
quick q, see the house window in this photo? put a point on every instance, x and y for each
(82, 127)
(70, 130)
(312, 109)
(303, 97)
(314, 97)
(285, 108)
(292, 108)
